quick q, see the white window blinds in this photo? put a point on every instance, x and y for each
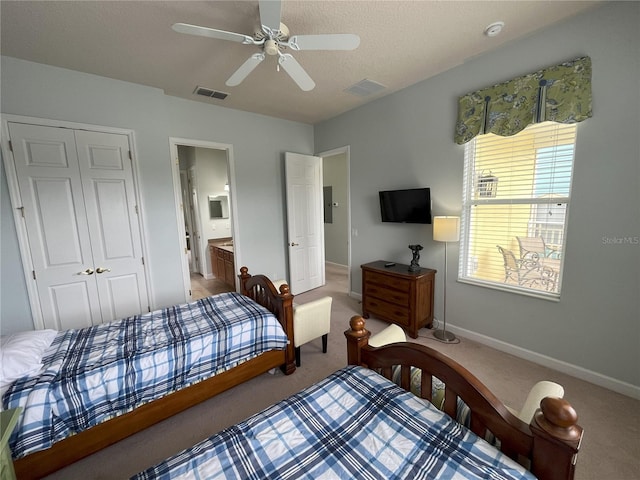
(516, 197)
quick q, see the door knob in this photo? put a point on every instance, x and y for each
(88, 271)
(294, 244)
(102, 270)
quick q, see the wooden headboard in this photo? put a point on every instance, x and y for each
(548, 446)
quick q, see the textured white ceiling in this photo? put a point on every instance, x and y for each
(402, 43)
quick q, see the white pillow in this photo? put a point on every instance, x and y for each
(21, 354)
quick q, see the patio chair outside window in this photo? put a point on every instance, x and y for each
(535, 249)
(527, 273)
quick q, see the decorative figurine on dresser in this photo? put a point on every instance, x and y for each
(397, 294)
(415, 266)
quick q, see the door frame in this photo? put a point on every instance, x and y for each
(16, 201)
(346, 150)
(175, 170)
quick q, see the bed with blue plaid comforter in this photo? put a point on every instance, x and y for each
(93, 374)
(353, 424)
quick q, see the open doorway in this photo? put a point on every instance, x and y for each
(337, 216)
(203, 181)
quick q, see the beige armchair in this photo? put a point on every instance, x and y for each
(311, 320)
(540, 390)
(391, 334)
(544, 388)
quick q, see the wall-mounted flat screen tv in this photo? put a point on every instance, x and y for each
(406, 206)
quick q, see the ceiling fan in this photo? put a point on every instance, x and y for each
(273, 37)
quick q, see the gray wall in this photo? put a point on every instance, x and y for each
(406, 140)
(15, 313)
(336, 234)
(258, 145)
(38, 90)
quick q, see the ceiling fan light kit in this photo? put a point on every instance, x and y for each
(273, 37)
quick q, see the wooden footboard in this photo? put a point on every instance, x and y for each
(65, 452)
(548, 447)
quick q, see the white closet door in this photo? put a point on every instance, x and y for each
(56, 223)
(109, 195)
(80, 212)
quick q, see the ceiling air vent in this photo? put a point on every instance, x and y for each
(365, 87)
(208, 92)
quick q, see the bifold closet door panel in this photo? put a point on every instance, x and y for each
(109, 194)
(56, 223)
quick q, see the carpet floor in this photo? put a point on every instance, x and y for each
(610, 448)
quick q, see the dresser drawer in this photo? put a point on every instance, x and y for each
(387, 311)
(387, 280)
(386, 294)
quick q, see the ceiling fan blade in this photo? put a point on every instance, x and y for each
(213, 33)
(331, 41)
(296, 72)
(270, 14)
(245, 69)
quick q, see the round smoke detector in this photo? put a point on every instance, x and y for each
(494, 29)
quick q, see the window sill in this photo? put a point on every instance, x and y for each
(527, 292)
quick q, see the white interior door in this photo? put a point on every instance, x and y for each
(304, 221)
(112, 215)
(186, 212)
(78, 202)
(196, 240)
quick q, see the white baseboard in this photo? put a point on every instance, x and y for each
(610, 383)
(336, 264)
(559, 365)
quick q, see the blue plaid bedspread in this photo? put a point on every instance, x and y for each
(93, 374)
(353, 424)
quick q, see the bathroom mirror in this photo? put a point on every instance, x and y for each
(218, 206)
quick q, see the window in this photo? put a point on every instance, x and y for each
(515, 201)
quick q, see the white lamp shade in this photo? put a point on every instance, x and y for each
(446, 229)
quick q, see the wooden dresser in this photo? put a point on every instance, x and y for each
(396, 295)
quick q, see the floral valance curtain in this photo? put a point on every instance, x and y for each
(560, 94)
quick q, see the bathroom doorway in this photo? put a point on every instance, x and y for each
(203, 181)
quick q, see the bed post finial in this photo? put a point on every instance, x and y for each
(357, 337)
(284, 289)
(244, 276)
(556, 439)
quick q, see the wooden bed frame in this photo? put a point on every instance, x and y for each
(258, 287)
(548, 446)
